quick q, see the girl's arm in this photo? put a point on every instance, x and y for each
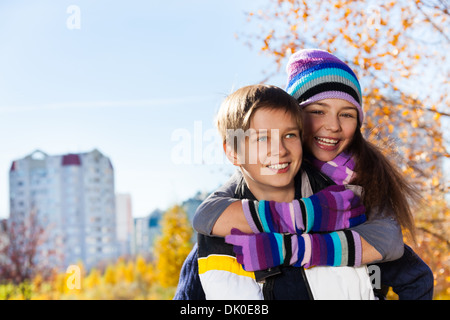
(382, 235)
(382, 238)
(220, 209)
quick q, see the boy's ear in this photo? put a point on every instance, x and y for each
(231, 154)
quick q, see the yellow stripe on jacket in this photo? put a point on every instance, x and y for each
(223, 263)
(223, 278)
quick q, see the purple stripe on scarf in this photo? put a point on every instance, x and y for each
(284, 212)
(275, 215)
(332, 219)
(338, 174)
(345, 159)
(263, 259)
(248, 216)
(323, 250)
(315, 250)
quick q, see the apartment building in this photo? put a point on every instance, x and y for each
(124, 222)
(73, 198)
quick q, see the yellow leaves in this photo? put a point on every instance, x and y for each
(331, 39)
(394, 40)
(346, 37)
(123, 279)
(347, 12)
(172, 248)
(377, 65)
(390, 128)
(367, 48)
(141, 265)
(267, 40)
(93, 279)
(435, 181)
(110, 275)
(407, 23)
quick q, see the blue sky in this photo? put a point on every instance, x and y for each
(134, 74)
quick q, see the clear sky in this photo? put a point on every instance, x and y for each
(139, 80)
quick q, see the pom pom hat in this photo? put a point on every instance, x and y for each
(315, 75)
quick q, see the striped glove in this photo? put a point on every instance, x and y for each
(267, 250)
(334, 208)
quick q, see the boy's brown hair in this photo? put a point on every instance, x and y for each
(238, 108)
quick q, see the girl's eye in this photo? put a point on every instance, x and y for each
(347, 115)
(316, 111)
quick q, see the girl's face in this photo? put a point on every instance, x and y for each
(329, 126)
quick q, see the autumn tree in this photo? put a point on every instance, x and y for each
(399, 51)
(173, 246)
(19, 242)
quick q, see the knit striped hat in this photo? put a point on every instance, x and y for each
(315, 75)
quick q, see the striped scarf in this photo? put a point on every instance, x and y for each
(340, 169)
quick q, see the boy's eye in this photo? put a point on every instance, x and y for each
(291, 135)
(262, 138)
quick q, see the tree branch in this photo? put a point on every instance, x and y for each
(427, 17)
(438, 236)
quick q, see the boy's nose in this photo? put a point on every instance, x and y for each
(278, 147)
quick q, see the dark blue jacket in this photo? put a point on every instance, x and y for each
(189, 285)
(410, 277)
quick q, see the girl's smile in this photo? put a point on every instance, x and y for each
(327, 143)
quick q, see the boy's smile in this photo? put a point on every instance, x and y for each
(280, 167)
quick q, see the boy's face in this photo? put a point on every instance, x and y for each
(329, 126)
(273, 152)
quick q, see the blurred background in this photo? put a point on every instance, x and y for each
(107, 133)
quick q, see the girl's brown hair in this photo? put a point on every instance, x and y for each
(385, 188)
